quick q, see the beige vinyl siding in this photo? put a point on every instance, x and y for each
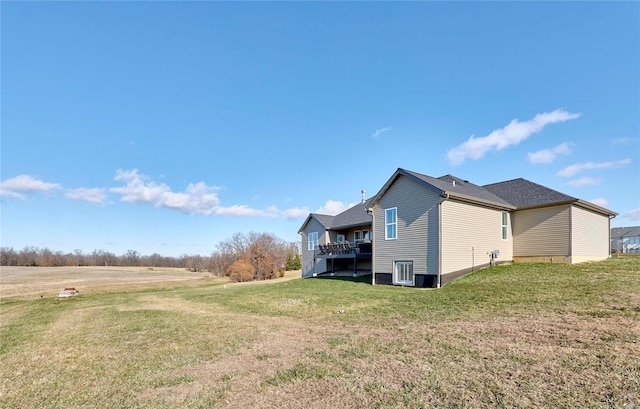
(542, 232)
(470, 233)
(350, 234)
(590, 235)
(417, 228)
(307, 256)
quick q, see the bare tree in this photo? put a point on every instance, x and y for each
(8, 256)
(218, 263)
(79, 257)
(28, 256)
(132, 257)
(264, 252)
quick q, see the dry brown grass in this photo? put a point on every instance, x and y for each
(47, 281)
(30, 282)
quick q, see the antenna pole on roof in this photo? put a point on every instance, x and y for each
(364, 195)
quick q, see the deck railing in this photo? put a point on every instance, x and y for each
(333, 249)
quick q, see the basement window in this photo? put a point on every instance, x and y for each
(403, 273)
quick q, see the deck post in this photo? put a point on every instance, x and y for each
(355, 265)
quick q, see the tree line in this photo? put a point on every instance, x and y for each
(243, 257)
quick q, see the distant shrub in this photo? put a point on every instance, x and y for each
(241, 271)
(281, 273)
(293, 262)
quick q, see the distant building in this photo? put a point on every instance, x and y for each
(625, 239)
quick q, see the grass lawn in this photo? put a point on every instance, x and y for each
(525, 335)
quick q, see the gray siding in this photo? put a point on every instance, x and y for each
(351, 235)
(417, 230)
(469, 234)
(307, 256)
(590, 235)
(542, 232)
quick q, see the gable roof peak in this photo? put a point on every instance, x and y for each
(324, 219)
(448, 186)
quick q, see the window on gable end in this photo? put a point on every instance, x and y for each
(312, 241)
(391, 223)
(505, 226)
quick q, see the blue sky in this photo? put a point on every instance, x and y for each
(170, 126)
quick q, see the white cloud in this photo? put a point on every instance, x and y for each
(579, 167)
(242, 210)
(198, 198)
(94, 195)
(296, 213)
(585, 181)
(549, 155)
(15, 187)
(333, 207)
(512, 134)
(378, 132)
(620, 141)
(599, 201)
(633, 215)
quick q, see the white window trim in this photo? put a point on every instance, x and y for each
(311, 244)
(504, 228)
(408, 283)
(386, 224)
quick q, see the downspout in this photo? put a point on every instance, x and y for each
(439, 279)
(473, 259)
(570, 235)
(373, 247)
(609, 234)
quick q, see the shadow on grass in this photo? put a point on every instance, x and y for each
(360, 280)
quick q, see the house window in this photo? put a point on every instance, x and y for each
(365, 235)
(390, 223)
(313, 240)
(505, 226)
(357, 236)
(340, 238)
(403, 272)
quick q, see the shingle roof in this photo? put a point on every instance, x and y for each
(621, 232)
(324, 219)
(354, 216)
(524, 194)
(511, 194)
(469, 189)
(461, 188)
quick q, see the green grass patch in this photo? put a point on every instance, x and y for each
(524, 335)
